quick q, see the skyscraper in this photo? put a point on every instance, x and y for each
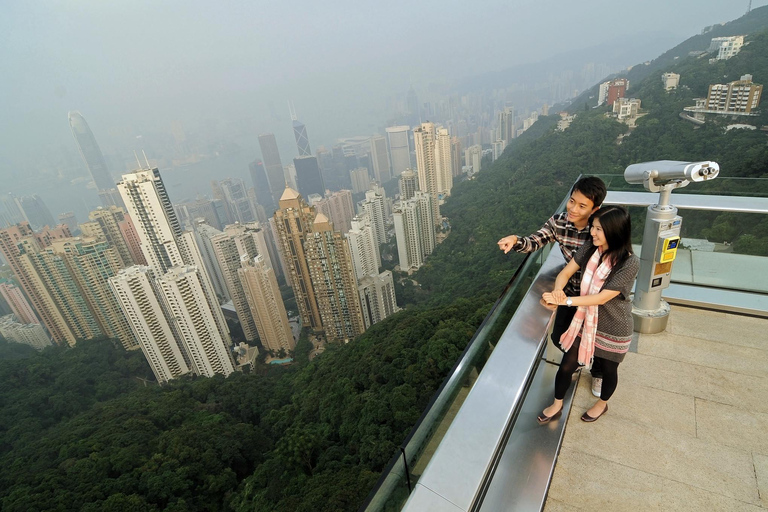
(188, 296)
(506, 124)
(414, 231)
(366, 258)
(34, 211)
(408, 184)
(18, 303)
(33, 287)
(333, 282)
(374, 207)
(377, 297)
(399, 148)
(380, 159)
(339, 209)
(235, 196)
(204, 235)
(238, 243)
(308, 176)
(273, 165)
(261, 184)
(92, 155)
(266, 304)
(105, 224)
(433, 160)
(292, 222)
(139, 298)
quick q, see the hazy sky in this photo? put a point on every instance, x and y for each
(141, 63)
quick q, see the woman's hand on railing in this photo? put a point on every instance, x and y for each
(556, 297)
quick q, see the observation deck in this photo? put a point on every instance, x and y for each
(687, 427)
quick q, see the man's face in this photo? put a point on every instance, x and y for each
(579, 208)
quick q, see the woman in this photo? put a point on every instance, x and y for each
(602, 326)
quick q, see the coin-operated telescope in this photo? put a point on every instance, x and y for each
(661, 237)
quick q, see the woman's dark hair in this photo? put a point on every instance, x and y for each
(617, 229)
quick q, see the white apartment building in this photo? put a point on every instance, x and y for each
(414, 231)
(626, 108)
(339, 208)
(725, 47)
(473, 157)
(366, 258)
(203, 235)
(198, 329)
(375, 208)
(377, 297)
(433, 163)
(28, 334)
(139, 300)
(670, 81)
(602, 92)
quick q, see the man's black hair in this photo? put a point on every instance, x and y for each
(592, 187)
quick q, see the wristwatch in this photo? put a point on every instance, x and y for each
(568, 301)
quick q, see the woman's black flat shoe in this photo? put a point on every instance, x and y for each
(543, 418)
(589, 419)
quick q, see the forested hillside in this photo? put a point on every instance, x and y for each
(81, 429)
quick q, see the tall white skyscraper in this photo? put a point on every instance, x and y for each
(203, 235)
(399, 148)
(377, 297)
(506, 129)
(433, 162)
(140, 300)
(188, 299)
(414, 230)
(364, 248)
(374, 207)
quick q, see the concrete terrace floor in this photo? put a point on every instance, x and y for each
(687, 428)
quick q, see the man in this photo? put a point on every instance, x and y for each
(570, 229)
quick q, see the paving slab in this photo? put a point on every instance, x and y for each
(732, 426)
(718, 326)
(761, 471)
(716, 385)
(713, 467)
(711, 354)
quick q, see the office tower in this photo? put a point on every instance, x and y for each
(455, 156)
(69, 220)
(292, 224)
(35, 211)
(29, 334)
(20, 307)
(414, 112)
(140, 301)
(266, 305)
(105, 225)
(433, 160)
(380, 159)
(238, 243)
(92, 156)
(300, 134)
(91, 263)
(363, 247)
(235, 196)
(361, 181)
(261, 185)
(13, 213)
(506, 124)
(180, 273)
(339, 208)
(49, 270)
(308, 176)
(201, 208)
(333, 282)
(188, 302)
(46, 309)
(204, 235)
(414, 231)
(273, 166)
(399, 148)
(408, 184)
(374, 207)
(377, 297)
